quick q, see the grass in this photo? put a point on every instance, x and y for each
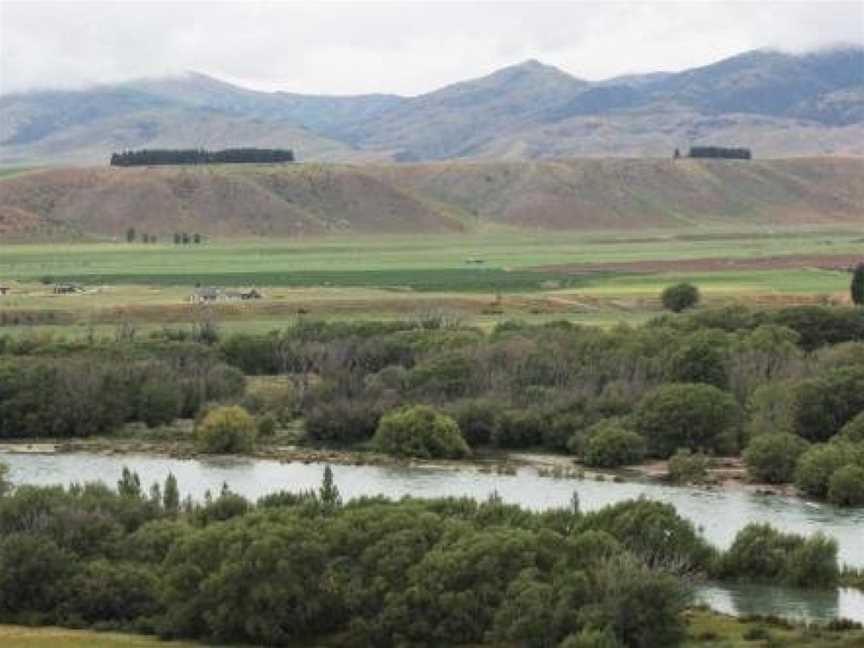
(707, 629)
(388, 277)
(12, 636)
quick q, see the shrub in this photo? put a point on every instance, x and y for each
(820, 325)
(443, 376)
(680, 297)
(419, 431)
(477, 420)
(700, 359)
(342, 420)
(846, 486)
(822, 405)
(654, 531)
(266, 425)
(519, 429)
(761, 553)
(853, 431)
(614, 446)
(686, 467)
(158, 403)
(227, 429)
(698, 417)
(817, 465)
(772, 457)
(113, 591)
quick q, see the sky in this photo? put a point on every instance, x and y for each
(396, 47)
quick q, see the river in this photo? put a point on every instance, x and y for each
(719, 514)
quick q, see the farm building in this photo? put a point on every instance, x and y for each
(66, 289)
(207, 295)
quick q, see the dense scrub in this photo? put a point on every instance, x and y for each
(298, 566)
(77, 390)
(783, 387)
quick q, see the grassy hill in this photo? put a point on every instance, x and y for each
(447, 197)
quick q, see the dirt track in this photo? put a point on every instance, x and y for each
(841, 262)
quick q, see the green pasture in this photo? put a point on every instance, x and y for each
(434, 260)
(483, 277)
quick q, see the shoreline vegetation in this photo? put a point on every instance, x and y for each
(705, 629)
(729, 474)
(765, 400)
(298, 567)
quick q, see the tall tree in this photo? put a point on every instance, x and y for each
(171, 495)
(329, 492)
(129, 484)
(857, 287)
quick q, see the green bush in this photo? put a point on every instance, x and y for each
(158, 403)
(702, 358)
(266, 425)
(761, 553)
(680, 297)
(846, 486)
(519, 429)
(816, 466)
(227, 429)
(686, 467)
(342, 420)
(772, 457)
(853, 431)
(613, 446)
(824, 404)
(419, 431)
(693, 416)
(477, 420)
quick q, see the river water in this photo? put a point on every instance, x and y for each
(718, 514)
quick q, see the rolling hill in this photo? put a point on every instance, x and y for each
(778, 104)
(440, 197)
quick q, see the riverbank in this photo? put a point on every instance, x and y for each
(727, 473)
(705, 629)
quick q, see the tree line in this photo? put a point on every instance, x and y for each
(305, 566)
(151, 157)
(734, 153)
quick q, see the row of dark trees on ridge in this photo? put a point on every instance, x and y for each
(148, 157)
(720, 152)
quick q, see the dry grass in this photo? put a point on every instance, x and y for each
(311, 199)
(12, 636)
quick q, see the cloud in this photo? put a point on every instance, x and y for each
(407, 47)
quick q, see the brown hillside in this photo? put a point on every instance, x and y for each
(235, 201)
(224, 202)
(616, 193)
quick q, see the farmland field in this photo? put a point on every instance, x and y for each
(596, 278)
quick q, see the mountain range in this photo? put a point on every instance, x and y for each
(777, 104)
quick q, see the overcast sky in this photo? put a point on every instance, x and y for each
(401, 47)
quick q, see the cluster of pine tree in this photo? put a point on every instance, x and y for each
(720, 152)
(147, 157)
